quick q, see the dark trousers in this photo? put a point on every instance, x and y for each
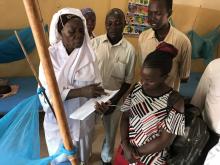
(213, 140)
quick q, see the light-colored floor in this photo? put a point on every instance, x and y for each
(95, 157)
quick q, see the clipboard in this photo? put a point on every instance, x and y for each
(89, 107)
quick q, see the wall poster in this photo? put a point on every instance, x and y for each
(136, 17)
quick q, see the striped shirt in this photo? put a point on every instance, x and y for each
(147, 117)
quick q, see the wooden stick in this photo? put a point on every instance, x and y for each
(27, 58)
(43, 52)
(33, 71)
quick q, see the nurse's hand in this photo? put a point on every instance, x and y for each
(93, 90)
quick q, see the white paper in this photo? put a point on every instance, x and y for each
(89, 107)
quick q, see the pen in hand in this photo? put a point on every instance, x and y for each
(113, 105)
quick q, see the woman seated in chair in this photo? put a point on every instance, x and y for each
(148, 127)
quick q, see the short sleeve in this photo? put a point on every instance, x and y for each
(174, 123)
(127, 104)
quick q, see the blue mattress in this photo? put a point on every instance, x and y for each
(27, 87)
(188, 89)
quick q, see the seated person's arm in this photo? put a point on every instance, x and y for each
(127, 148)
(124, 126)
(124, 88)
(156, 145)
(115, 99)
(164, 140)
(104, 108)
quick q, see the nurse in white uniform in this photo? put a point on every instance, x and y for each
(78, 79)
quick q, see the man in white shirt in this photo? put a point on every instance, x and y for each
(116, 62)
(207, 98)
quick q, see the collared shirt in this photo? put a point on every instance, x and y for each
(116, 62)
(181, 63)
(207, 95)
